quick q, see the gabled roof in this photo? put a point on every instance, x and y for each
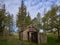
(30, 27)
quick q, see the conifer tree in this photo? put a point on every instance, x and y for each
(9, 22)
(21, 15)
(28, 20)
(2, 16)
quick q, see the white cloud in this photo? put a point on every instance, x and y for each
(33, 6)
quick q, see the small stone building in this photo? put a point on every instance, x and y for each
(31, 34)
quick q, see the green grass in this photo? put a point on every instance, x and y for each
(3, 41)
(51, 40)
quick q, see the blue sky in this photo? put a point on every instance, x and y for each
(33, 6)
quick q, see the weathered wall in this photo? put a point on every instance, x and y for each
(42, 38)
(25, 35)
(21, 35)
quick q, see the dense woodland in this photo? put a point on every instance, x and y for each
(50, 22)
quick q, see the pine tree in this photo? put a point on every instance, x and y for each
(28, 20)
(39, 17)
(2, 16)
(21, 15)
(37, 21)
(9, 22)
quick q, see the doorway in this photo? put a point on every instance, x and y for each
(34, 37)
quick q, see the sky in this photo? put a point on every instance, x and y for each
(33, 6)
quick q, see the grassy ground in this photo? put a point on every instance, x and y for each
(14, 41)
(51, 40)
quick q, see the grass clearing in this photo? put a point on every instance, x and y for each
(51, 40)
